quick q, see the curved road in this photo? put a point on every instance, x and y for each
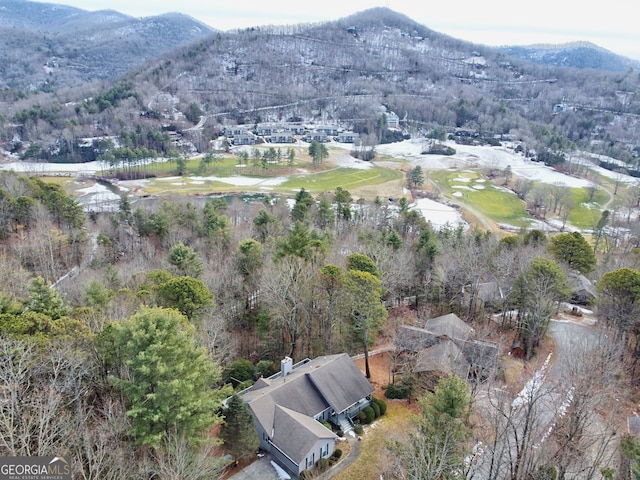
(569, 337)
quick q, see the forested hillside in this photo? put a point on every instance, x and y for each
(338, 72)
(50, 48)
(101, 314)
(124, 328)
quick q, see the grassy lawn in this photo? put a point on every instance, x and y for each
(470, 188)
(503, 207)
(347, 178)
(586, 214)
(373, 454)
(186, 185)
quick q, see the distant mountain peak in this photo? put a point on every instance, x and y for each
(574, 44)
(579, 54)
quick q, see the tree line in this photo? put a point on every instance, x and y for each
(98, 360)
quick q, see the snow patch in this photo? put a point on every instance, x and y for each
(282, 475)
(438, 214)
(481, 156)
(532, 386)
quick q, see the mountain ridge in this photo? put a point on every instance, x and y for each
(53, 46)
(579, 54)
(342, 72)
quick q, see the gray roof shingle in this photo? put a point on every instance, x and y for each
(295, 434)
(285, 407)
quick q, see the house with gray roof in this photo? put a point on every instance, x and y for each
(449, 325)
(446, 344)
(287, 408)
(347, 137)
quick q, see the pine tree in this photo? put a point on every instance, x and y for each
(44, 299)
(238, 430)
(185, 260)
(165, 377)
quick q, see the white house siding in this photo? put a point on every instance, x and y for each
(322, 449)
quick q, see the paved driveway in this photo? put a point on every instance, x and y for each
(261, 469)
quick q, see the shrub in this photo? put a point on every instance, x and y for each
(376, 409)
(337, 453)
(325, 423)
(396, 391)
(439, 149)
(340, 433)
(361, 417)
(306, 475)
(323, 464)
(382, 405)
(238, 371)
(358, 429)
(402, 389)
(370, 414)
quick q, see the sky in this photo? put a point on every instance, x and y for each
(611, 25)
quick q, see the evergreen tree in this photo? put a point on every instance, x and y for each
(318, 152)
(536, 294)
(619, 299)
(366, 311)
(574, 250)
(44, 299)
(300, 243)
(416, 177)
(188, 295)
(165, 377)
(362, 263)
(325, 215)
(436, 450)
(238, 432)
(185, 260)
(301, 211)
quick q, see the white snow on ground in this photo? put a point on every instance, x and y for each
(480, 156)
(466, 156)
(346, 160)
(438, 214)
(95, 188)
(533, 385)
(582, 309)
(42, 167)
(235, 180)
(591, 160)
(98, 197)
(282, 475)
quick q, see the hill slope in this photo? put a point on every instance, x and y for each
(577, 55)
(344, 72)
(51, 46)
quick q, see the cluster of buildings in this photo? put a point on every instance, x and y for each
(292, 407)
(292, 132)
(287, 133)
